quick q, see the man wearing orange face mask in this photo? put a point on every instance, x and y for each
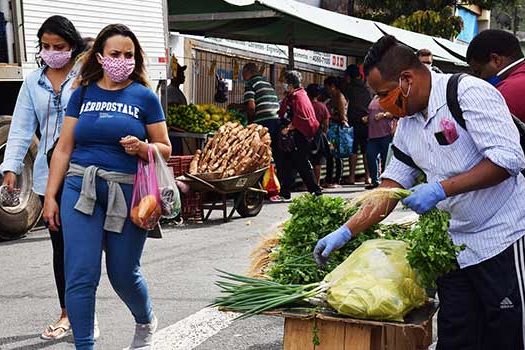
(473, 172)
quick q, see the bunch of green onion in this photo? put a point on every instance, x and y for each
(251, 296)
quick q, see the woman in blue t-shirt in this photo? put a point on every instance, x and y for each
(108, 119)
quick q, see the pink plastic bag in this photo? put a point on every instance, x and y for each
(146, 206)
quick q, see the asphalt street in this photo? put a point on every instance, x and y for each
(180, 272)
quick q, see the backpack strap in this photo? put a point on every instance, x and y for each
(405, 158)
(452, 99)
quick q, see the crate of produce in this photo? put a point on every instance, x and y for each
(191, 203)
(180, 164)
(191, 207)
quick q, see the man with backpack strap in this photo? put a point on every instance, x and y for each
(473, 172)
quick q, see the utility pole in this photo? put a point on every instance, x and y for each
(516, 19)
(351, 4)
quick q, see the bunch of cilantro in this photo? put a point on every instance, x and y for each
(431, 252)
(313, 217)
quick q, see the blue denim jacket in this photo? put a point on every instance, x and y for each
(37, 106)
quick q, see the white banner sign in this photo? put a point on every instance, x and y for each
(316, 58)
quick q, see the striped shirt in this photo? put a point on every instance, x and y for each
(487, 221)
(260, 91)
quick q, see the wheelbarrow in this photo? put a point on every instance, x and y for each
(245, 190)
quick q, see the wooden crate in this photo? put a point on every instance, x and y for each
(342, 333)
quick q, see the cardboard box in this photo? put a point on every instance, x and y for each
(344, 333)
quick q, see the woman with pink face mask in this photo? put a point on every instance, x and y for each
(41, 104)
(108, 120)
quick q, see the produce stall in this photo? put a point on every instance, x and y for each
(366, 296)
(190, 125)
(334, 332)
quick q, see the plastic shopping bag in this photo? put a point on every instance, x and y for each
(342, 138)
(271, 182)
(146, 207)
(375, 282)
(168, 190)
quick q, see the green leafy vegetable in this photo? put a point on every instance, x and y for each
(252, 296)
(312, 218)
(431, 251)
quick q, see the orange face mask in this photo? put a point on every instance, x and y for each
(396, 101)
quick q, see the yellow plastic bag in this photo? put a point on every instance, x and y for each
(375, 282)
(271, 182)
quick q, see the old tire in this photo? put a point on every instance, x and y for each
(16, 222)
(250, 203)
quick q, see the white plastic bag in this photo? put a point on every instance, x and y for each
(169, 192)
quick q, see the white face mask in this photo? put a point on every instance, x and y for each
(285, 87)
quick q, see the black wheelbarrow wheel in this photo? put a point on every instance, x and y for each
(250, 203)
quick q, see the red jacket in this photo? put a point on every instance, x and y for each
(512, 88)
(303, 112)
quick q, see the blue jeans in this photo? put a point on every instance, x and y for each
(84, 240)
(374, 148)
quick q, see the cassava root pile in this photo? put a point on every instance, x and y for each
(234, 150)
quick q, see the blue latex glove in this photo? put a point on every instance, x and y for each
(425, 197)
(331, 242)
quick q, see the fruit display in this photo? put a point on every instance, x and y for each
(202, 119)
(234, 150)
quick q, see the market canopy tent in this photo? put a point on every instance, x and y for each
(292, 23)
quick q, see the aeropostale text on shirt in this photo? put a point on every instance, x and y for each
(110, 107)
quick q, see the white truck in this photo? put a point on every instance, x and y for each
(19, 23)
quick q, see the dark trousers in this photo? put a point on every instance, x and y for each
(274, 127)
(377, 148)
(298, 161)
(481, 306)
(57, 242)
(330, 160)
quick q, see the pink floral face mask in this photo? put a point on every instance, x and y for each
(118, 69)
(55, 59)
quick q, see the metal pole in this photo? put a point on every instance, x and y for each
(291, 57)
(350, 10)
(515, 20)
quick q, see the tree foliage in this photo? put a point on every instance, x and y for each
(431, 17)
(442, 23)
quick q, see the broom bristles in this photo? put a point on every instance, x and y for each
(260, 256)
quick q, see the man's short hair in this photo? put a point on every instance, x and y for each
(390, 57)
(335, 81)
(493, 41)
(294, 78)
(250, 67)
(424, 53)
(353, 71)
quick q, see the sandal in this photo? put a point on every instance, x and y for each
(57, 331)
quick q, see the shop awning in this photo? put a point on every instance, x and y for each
(274, 22)
(419, 41)
(289, 23)
(456, 49)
